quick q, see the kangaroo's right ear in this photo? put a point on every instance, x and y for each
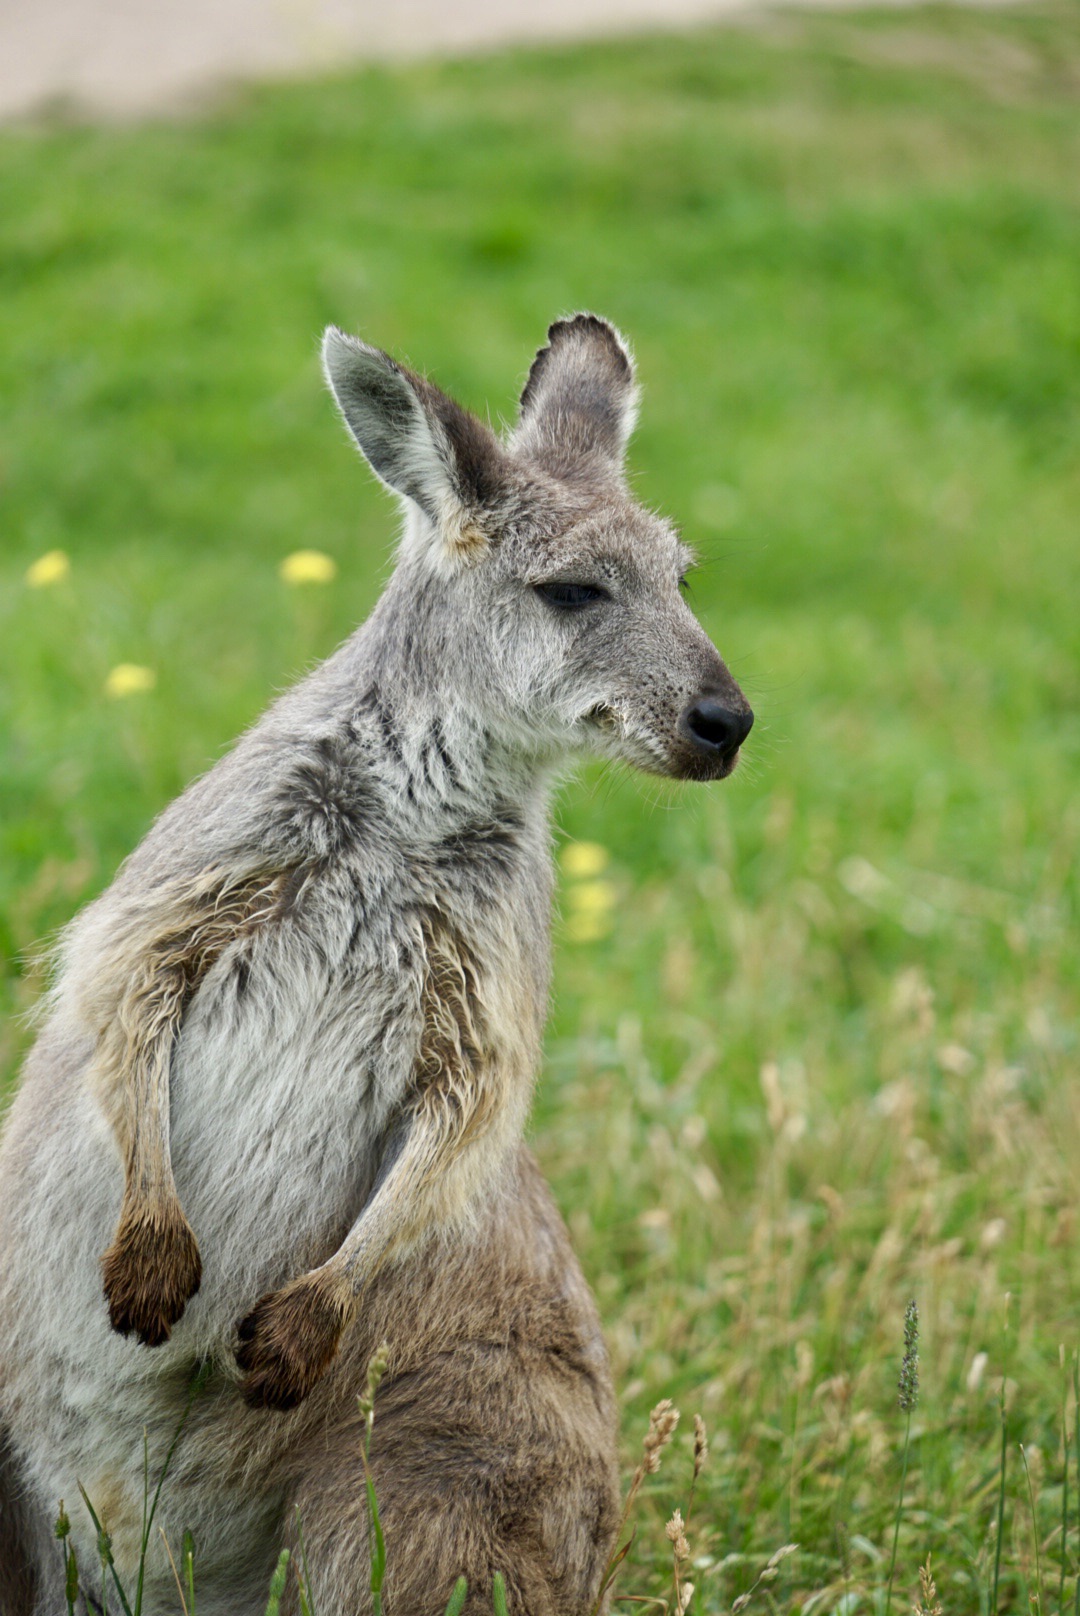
(419, 442)
(580, 401)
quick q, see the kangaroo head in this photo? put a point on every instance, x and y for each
(554, 597)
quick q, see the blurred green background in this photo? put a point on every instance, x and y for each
(822, 1054)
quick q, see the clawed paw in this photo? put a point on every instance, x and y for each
(287, 1342)
(150, 1273)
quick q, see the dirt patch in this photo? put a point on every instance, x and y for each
(134, 58)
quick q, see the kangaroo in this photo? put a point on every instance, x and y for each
(275, 1114)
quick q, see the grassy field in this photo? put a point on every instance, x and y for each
(814, 1042)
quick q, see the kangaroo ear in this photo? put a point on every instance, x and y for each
(580, 401)
(418, 441)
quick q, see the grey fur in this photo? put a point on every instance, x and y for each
(338, 942)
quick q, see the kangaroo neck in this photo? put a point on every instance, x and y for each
(443, 762)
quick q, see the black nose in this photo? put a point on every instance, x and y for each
(715, 727)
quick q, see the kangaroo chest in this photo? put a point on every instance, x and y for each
(307, 1039)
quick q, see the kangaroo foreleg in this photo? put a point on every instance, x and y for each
(291, 1336)
(153, 1267)
(151, 967)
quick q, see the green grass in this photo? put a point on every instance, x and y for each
(826, 1058)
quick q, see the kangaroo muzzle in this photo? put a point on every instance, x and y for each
(715, 725)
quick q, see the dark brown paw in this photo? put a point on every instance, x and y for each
(288, 1340)
(150, 1272)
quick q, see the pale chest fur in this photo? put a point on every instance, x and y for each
(310, 1035)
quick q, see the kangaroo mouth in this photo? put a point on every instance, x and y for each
(647, 752)
(695, 766)
(686, 763)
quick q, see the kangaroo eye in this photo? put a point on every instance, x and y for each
(570, 597)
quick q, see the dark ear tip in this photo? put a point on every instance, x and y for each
(594, 327)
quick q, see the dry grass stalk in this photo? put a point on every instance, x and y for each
(676, 1527)
(176, 1574)
(769, 1574)
(927, 1604)
(662, 1422)
(680, 1550)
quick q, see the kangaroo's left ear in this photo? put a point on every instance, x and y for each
(420, 443)
(580, 401)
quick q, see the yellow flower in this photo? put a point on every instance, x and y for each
(308, 567)
(584, 858)
(128, 679)
(592, 897)
(591, 904)
(51, 568)
(586, 928)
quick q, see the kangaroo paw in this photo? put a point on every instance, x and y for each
(288, 1340)
(150, 1272)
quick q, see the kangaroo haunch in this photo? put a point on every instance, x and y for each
(275, 1115)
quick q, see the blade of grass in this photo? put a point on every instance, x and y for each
(376, 1369)
(1037, 1601)
(1076, 1432)
(899, 1514)
(187, 1564)
(1004, 1463)
(105, 1551)
(201, 1376)
(277, 1584)
(498, 1594)
(457, 1598)
(613, 1566)
(71, 1579)
(1001, 1499)
(1064, 1480)
(303, 1575)
(378, 1550)
(908, 1397)
(62, 1530)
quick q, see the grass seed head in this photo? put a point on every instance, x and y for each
(909, 1367)
(680, 1550)
(662, 1423)
(928, 1604)
(376, 1369)
(676, 1532)
(701, 1445)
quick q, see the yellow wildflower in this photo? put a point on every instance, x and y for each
(586, 928)
(584, 859)
(592, 897)
(51, 568)
(128, 679)
(308, 567)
